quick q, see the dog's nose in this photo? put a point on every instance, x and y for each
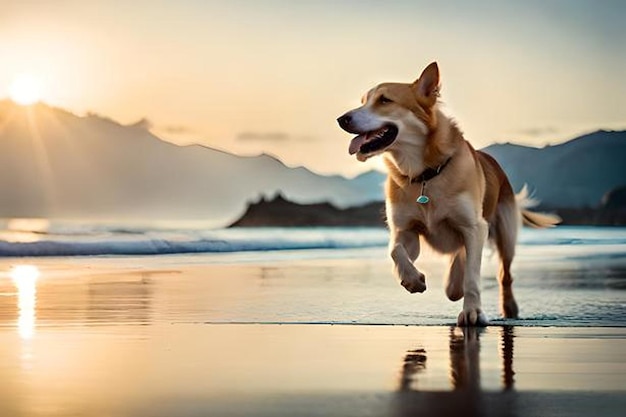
(345, 121)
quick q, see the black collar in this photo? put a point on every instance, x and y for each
(430, 173)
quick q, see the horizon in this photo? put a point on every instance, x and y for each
(271, 77)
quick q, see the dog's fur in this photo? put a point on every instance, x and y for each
(470, 199)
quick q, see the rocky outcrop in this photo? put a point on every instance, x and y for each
(279, 212)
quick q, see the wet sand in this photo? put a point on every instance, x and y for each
(189, 336)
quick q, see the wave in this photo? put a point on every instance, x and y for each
(573, 236)
(222, 243)
(81, 240)
(574, 241)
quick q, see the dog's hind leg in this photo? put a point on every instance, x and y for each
(505, 236)
(404, 248)
(454, 279)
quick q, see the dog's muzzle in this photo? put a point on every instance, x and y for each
(345, 122)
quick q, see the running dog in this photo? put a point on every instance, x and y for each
(439, 190)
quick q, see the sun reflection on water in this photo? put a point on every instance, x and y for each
(25, 280)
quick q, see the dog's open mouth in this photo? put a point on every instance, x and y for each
(369, 143)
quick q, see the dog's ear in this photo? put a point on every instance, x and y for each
(427, 85)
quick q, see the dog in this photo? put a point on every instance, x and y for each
(440, 191)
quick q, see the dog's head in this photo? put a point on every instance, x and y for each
(392, 114)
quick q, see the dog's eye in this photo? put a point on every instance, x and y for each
(384, 100)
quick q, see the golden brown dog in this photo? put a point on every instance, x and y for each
(439, 189)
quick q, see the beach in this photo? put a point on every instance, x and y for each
(309, 332)
(200, 200)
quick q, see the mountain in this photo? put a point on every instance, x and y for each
(279, 212)
(575, 174)
(56, 164)
(59, 165)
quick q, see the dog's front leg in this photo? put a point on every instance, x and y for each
(404, 248)
(474, 237)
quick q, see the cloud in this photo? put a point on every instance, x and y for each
(263, 137)
(176, 129)
(538, 131)
(272, 137)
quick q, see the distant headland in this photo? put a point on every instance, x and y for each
(280, 212)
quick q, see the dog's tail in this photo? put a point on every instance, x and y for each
(531, 218)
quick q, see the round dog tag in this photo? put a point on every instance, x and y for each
(422, 199)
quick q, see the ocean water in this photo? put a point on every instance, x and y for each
(39, 237)
(564, 277)
(43, 238)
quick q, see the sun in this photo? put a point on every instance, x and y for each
(25, 89)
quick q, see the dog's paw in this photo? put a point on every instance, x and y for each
(472, 317)
(509, 309)
(414, 282)
(454, 291)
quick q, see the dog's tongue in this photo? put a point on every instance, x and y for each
(356, 143)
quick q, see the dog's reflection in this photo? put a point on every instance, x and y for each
(466, 396)
(506, 353)
(464, 360)
(414, 362)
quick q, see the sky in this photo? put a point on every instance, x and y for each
(254, 77)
